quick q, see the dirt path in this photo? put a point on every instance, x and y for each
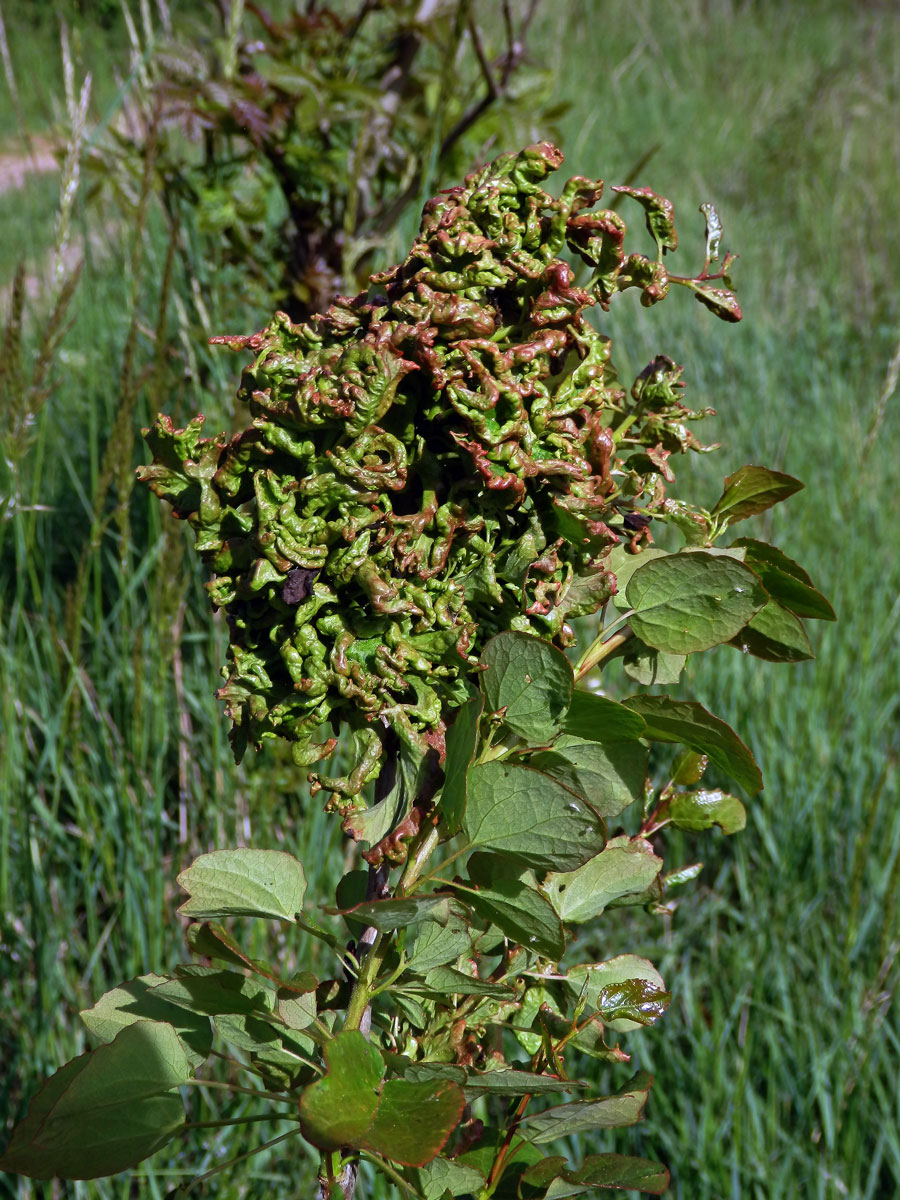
(16, 167)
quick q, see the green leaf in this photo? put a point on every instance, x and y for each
(247, 1032)
(297, 1012)
(689, 602)
(444, 981)
(785, 580)
(553, 1178)
(610, 775)
(598, 719)
(212, 993)
(531, 818)
(510, 1082)
(436, 944)
(627, 992)
(514, 906)
(625, 1107)
(690, 724)
(529, 679)
(462, 742)
(243, 883)
(105, 1111)
(696, 811)
(338, 1109)
(443, 1175)
(647, 666)
(385, 915)
(432, 1072)
(623, 868)
(751, 490)
(775, 635)
(214, 941)
(623, 564)
(688, 768)
(138, 1000)
(414, 1120)
(529, 1009)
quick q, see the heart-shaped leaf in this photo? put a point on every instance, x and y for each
(406, 1121)
(105, 1111)
(623, 868)
(531, 818)
(530, 680)
(338, 1109)
(414, 1120)
(139, 1000)
(689, 602)
(243, 883)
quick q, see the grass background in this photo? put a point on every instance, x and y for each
(776, 1065)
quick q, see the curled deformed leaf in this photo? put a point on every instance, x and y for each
(659, 213)
(627, 992)
(421, 474)
(721, 301)
(696, 811)
(713, 231)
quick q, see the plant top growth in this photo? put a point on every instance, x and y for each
(439, 478)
